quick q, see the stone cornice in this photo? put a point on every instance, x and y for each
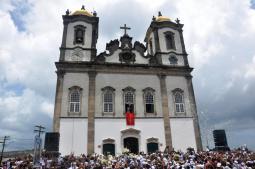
(124, 68)
(147, 117)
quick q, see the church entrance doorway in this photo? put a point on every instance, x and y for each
(152, 147)
(131, 143)
(109, 149)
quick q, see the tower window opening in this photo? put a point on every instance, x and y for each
(169, 37)
(129, 102)
(79, 33)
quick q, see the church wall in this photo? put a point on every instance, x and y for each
(73, 136)
(121, 81)
(114, 58)
(84, 55)
(183, 135)
(162, 41)
(111, 128)
(70, 34)
(140, 59)
(173, 82)
(75, 79)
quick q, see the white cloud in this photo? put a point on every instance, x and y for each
(250, 69)
(47, 108)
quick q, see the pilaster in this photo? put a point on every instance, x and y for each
(194, 113)
(91, 112)
(157, 46)
(94, 41)
(58, 100)
(63, 45)
(185, 55)
(165, 110)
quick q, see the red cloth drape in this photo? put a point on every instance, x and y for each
(130, 118)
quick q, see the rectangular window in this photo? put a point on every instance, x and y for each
(74, 107)
(149, 102)
(179, 102)
(179, 107)
(129, 108)
(149, 108)
(74, 101)
(108, 102)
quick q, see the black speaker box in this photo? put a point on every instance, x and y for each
(51, 143)
(220, 140)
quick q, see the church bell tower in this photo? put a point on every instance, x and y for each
(78, 45)
(164, 41)
(79, 36)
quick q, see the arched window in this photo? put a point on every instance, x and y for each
(74, 99)
(129, 99)
(148, 96)
(108, 99)
(179, 101)
(170, 42)
(79, 34)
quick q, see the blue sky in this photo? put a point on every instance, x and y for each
(219, 37)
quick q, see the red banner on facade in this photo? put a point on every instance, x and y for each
(130, 118)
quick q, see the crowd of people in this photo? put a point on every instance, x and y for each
(237, 159)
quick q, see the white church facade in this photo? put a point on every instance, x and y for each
(95, 91)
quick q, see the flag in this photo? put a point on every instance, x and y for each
(130, 118)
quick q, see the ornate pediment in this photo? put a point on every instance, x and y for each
(108, 141)
(126, 42)
(140, 48)
(177, 90)
(148, 89)
(112, 46)
(152, 140)
(108, 88)
(128, 89)
(126, 56)
(127, 52)
(130, 131)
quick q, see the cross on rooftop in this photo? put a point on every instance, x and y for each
(125, 29)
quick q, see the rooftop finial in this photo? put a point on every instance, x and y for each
(159, 13)
(153, 18)
(125, 29)
(94, 13)
(83, 7)
(177, 21)
(67, 12)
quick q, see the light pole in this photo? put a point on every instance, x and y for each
(3, 142)
(204, 121)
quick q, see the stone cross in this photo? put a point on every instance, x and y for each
(125, 29)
